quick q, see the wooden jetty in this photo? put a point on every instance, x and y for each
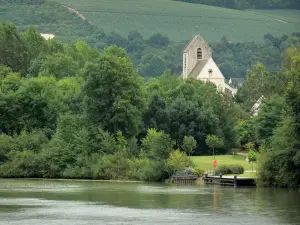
(229, 181)
(184, 179)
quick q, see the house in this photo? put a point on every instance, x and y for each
(199, 64)
(48, 36)
(256, 107)
(236, 82)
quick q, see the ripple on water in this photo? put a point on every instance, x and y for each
(51, 212)
(40, 187)
(174, 190)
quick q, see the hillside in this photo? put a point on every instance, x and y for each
(250, 4)
(179, 20)
(152, 55)
(47, 17)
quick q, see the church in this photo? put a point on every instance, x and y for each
(199, 64)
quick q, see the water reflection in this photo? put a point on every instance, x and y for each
(73, 202)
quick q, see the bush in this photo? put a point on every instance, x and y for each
(112, 167)
(198, 171)
(21, 165)
(237, 169)
(229, 169)
(178, 163)
(224, 169)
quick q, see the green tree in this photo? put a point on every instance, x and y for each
(156, 114)
(177, 162)
(158, 41)
(189, 144)
(252, 157)
(13, 51)
(245, 131)
(157, 145)
(114, 93)
(214, 142)
(254, 86)
(59, 65)
(35, 43)
(270, 114)
(279, 163)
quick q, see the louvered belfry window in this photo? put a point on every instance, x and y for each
(199, 53)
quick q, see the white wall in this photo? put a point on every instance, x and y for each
(216, 76)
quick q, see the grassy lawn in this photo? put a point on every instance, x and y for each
(180, 21)
(206, 161)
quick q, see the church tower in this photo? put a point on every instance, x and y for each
(196, 52)
(199, 64)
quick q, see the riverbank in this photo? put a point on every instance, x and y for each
(64, 179)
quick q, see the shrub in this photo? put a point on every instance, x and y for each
(178, 162)
(224, 169)
(229, 169)
(112, 167)
(237, 169)
(136, 166)
(146, 170)
(22, 165)
(198, 171)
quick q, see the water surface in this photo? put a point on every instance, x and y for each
(35, 202)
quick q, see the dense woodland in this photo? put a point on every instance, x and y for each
(250, 4)
(69, 110)
(152, 56)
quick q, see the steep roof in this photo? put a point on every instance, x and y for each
(198, 68)
(197, 37)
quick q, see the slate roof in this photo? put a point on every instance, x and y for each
(198, 68)
(192, 41)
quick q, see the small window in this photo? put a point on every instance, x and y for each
(210, 71)
(199, 53)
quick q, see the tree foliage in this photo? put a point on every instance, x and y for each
(214, 142)
(177, 162)
(189, 144)
(276, 130)
(69, 110)
(114, 94)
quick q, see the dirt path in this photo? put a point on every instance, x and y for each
(76, 12)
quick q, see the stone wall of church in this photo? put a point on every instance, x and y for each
(191, 54)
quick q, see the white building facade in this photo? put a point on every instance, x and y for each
(199, 64)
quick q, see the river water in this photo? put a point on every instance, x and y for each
(36, 202)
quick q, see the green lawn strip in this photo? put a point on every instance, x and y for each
(206, 162)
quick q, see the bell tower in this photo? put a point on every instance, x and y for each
(195, 51)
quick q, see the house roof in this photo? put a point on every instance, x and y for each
(198, 68)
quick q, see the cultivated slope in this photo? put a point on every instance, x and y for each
(180, 21)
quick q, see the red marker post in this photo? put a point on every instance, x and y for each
(215, 163)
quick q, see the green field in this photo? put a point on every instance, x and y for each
(206, 161)
(180, 21)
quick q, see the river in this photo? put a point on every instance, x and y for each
(36, 202)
